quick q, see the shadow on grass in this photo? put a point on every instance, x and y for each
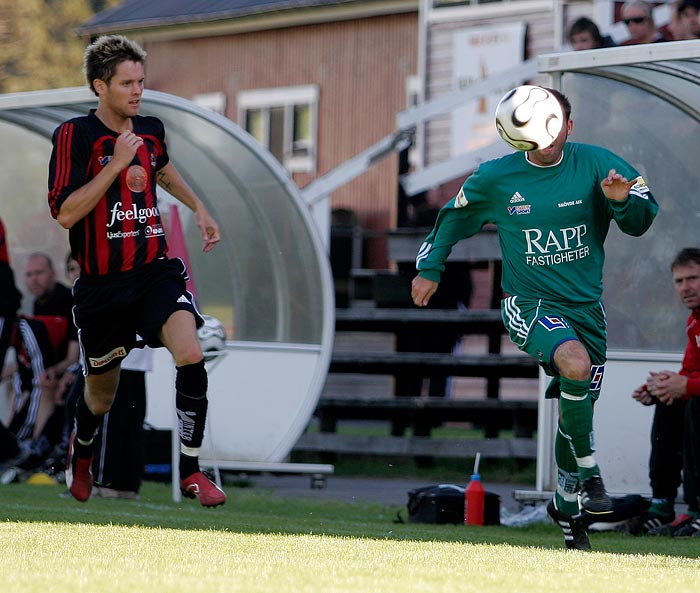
(252, 510)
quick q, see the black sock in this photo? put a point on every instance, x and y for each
(86, 424)
(191, 404)
(188, 465)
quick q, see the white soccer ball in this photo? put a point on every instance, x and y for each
(212, 335)
(529, 117)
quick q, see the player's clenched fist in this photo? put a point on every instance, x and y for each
(421, 290)
(125, 148)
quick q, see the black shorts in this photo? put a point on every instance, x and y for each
(117, 313)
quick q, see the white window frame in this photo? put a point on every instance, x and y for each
(288, 98)
(213, 101)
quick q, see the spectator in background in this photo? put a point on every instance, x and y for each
(584, 34)
(674, 433)
(639, 19)
(684, 23)
(52, 298)
(33, 426)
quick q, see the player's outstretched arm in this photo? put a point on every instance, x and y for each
(616, 187)
(171, 181)
(421, 290)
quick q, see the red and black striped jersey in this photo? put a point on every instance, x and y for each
(124, 231)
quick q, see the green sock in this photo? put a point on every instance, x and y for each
(566, 497)
(661, 506)
(576, 414)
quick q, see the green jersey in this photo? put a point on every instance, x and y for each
(552, 221)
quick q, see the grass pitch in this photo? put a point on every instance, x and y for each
(259, 542)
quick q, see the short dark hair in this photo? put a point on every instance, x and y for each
(563, 101)
(41, 255)
(688, 255)
(103, 55)
(683, 4)
(584, 24)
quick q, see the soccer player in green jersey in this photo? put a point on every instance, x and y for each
(553, 209)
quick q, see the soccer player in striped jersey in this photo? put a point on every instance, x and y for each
(553, 208)
(103, 173)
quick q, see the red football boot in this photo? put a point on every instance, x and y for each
(78, 474)
(199, 485)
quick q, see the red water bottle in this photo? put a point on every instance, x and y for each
(474, 496)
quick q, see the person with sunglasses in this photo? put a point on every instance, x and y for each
(639, 19)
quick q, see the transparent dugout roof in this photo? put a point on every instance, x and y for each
(642, 102)
(268, 280)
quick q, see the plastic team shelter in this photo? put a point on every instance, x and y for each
(268, 280)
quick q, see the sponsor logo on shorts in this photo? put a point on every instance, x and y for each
(551, 323)
(183, 299)
(118, 352)
(103, 160)
(522, 209)
(597, 371)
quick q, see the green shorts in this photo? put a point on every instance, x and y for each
(539, 327)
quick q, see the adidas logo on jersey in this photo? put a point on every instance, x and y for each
(516, 198)
(183, 299)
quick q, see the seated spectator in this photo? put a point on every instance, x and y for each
(38, 412)
(585, 34)
(32, 428)
(674, 433)
(639, 19)
(52, 298)
(684, 23)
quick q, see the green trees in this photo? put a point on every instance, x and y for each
(39, 44)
